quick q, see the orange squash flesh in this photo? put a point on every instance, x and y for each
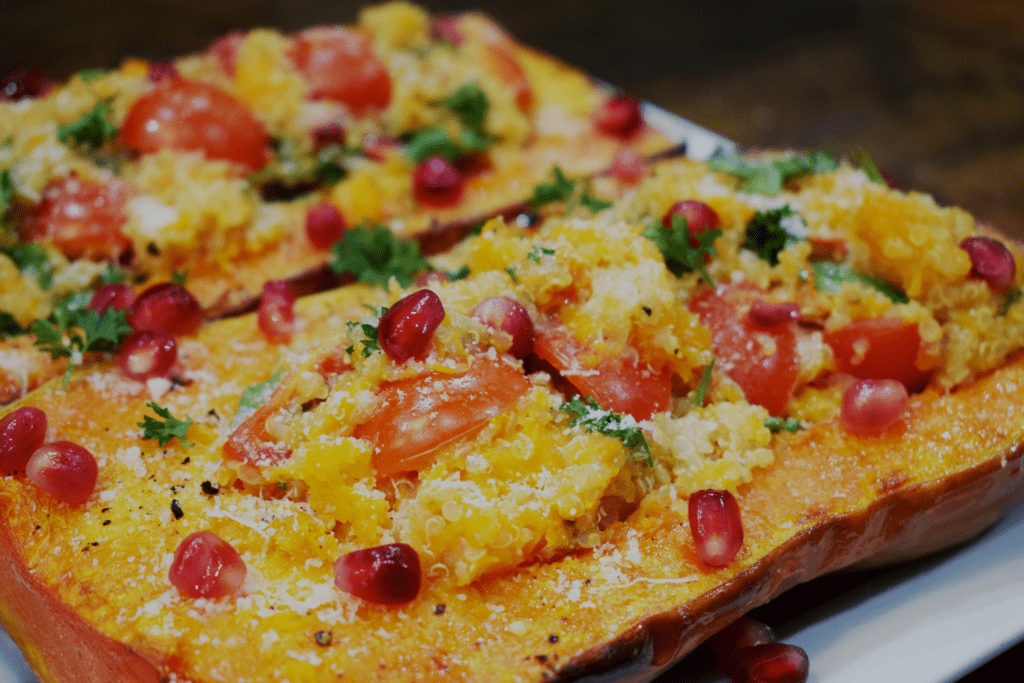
(944, 472)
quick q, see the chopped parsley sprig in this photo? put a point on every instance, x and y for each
(829, 277)
(768, 177)
(469, 105)
(370, 341)
(73, 330)
(593, 418)
(769, 232)
(6, 196)
(705, 383)
(166, 428)
(572, 193)
(677, 246)
(783, 424)
(92, 130)
(374, 255)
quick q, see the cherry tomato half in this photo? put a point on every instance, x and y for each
(880, 348)
(339, 64)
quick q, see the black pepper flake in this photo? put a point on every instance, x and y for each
(209, 488)
(541, 658)
(439, 608)
(152, 249)
(105, 510)
(187, 460)
(323, 638)
(553, 639)
(106, 522)
(176, 509)
(647, 310)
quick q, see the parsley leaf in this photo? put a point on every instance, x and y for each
(867, 164)
(460, 274)
(75, 330)
(766, 234)
(6, 195)
(539, 252)
(829, 277)
(677, 246)
(768, 177)
(469, 105)
(705, 384)
(9, 327)
(1011, 297)
(113, 275)
(92, 130)
(432, 142)
(254, 396)
(179, 277)
(572, 193)
(375, 255)
(593, 418)
(90, 74)
(370, 340)
(165, 429)
(778, 424)
(31, 259)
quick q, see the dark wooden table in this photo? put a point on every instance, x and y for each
(932, 89)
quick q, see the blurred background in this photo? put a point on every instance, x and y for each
(932, 89)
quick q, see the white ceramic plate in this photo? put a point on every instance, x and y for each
(930, 621)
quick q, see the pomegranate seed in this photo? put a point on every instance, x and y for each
(118, 296)
(225, 50)
(276, 316)
(160, 69)
(770, 663)
(206, 566)
(619, 116)
(21, 432)
(991, 261)
(699, 217)
(327, 135)
(871, 405)
(742, 633)
(628, 166)
(770, 313)
(64, 470)
(447, 27)
(166, 307)
(716, 526)
(436, 182)
(386, 574)
(22, 83)
(147, 353)
(431, 278)
(324, 225)
(406, 329)
(508, 315)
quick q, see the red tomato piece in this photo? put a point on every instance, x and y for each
(880, 348)
(252, 443)
(416, 416)
(83, 218)
(192, 116)
(760, 358)
(339, 64)
(622, 384)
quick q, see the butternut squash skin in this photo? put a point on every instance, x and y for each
(830, 500)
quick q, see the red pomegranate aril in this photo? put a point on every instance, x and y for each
(146, 354)
(699, 217)
(871, 405)
(770, 663)
(716, 526)
(431, 278)
(991, 261)
(160, 69)
(406, 329)
(742, 633)
(64, 470)
(118, 296)
(21, 433)
(385, 575)
(276, 315)
(508, 315)
(628, 166)
(327, 135)
(619, 116)
(206, 566)
(436, 182)
(770, 313)
(22, 83)
(324, 225)
(166, 307)
(447, 28)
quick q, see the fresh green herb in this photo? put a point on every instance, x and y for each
(1012, 296)
(375, 256)
(469, 105)
(472, 141)
(867, 164)
(282, 485)
(9, 327)
(539, 252)
(677, 246)
(90, 74)
(779, 424)
(31, 259)
(432, 142)
(254, 396)
(113, 275)
(572, 193)
(6, 195)
(73, 330)
(460, 274)
(166, 428)
(511, 270)
(370, 340)
(766, 233)
(768, 177)
(92, 130)
(593, 418)
(179, 277)
(705, 384)
(829, 277)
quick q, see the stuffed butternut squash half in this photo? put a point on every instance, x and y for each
(571, 452)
